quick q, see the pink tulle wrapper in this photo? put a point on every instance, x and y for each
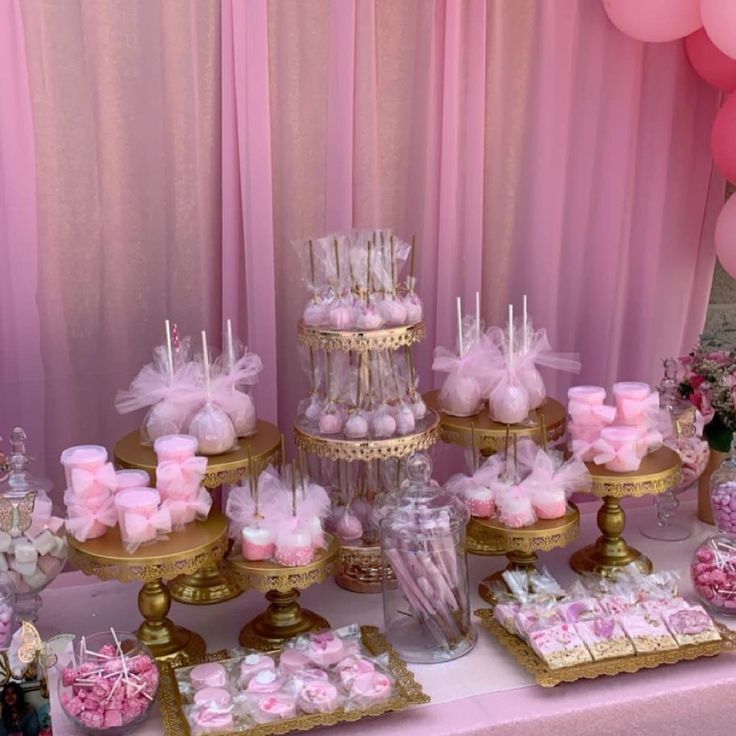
(86, 483)
(461, 394)
(508, 402)
(590, 416)
(138, 528)
(213, 429)
(551, 473)
(240, 509)
(637, 412)
(185, 509)
(228, 392)
(175, 479)
(621, 458)
(83, 523)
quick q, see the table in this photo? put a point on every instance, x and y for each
(485, 692)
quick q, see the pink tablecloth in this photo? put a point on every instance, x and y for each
(486, 692)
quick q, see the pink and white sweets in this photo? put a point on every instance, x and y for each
(635, 403)
(179, 483)
(294, 548)
(140, 517)
(175, 447)
(618, 449)
(713, 573)
(588, 415)
(132, 478)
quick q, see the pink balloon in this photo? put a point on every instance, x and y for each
(723, 139)
(725, 236)
(654, 20)
(719, 20)
(710, 62)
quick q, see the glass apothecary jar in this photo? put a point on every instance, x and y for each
(426, 604)
(713, 573)
(723, 493)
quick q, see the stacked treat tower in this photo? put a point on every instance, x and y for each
(364, 414)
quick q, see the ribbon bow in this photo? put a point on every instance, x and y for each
(180, 476)
(633, 409)
(200, 504)
(87, 481)
(142, 528)
(81, 520)
(627, 453)
(583, 414)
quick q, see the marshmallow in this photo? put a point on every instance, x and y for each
(45, 542)
(5, 541)
(25, 569)
(36, 580)
(26, 552)
(3, 563)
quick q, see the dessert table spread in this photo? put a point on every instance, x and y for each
(485, 692)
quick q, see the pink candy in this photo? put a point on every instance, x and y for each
(713, 573)
(723, 499)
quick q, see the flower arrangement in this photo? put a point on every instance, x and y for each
(709, 383)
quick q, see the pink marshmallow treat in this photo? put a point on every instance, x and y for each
(175, 447)
(325, 649)
(132, 478)
(549, 503)
(257, 543)
(370, 688)
(275, 707)
(252, 665)
(265, 682)
(480, 502)
(213, 719)
(294, 548)
(318, 697)
(350, 667)
(515, 508)
(213, 696)
(291, 661)
(210, 674)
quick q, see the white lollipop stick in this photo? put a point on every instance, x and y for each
(169, 352)
(230, 348)
(206, 361)
(511, 336)
(526, 328)
(477, 316)
(460, 325)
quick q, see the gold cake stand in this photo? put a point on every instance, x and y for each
(490, 436)
(491, 537)
(202, 543)
(659, 471)
(284, 618)
(209, 585)
(361, 341)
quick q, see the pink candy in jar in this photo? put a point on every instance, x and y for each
(723, 500)
(713, 574)
(634, 402)
(132, 479)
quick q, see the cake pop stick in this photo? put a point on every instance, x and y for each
(510, 353)
(459, 306)
(206, 365)
(337, 265)
(293, 490)
(411, 263)
(393, 267)
(477, 316)
(474, 449)
(230, 346)
(369, 273)
(311, 269)
(544, 433)
(169, 352)
(283, 455)
(526, 325)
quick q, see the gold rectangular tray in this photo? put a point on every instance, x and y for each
(547, 677)
(409, 693)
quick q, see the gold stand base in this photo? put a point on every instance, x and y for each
(283, 619)
(165, 640)
(526, 561)
(361, 569)
(204, 588)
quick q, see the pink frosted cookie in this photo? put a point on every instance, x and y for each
(318, 696)
(559, 646)
(614, 605)
(213, 696)
(274, 707)
(325, 649)
(579, 610)
(604, 638)
(350, 667)
(313, 673)
(647, 632)
(265, 681)
(291, 661)
(210, 674)
(370, 688)
(691, 625)
(252, 665)
(213, 719)
(505, 614)
(533, 618)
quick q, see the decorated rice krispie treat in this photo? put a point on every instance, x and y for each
(647, 632)
(691, 625)
(505, 614)
(583, 609)
(559, 646)
(535, 618)
(613, 605)
(604, 638)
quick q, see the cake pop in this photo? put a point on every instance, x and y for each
(348, 527)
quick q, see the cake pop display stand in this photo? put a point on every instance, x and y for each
(659, 471)
(202, 543)
(209, 585)
(491, 537)
(360, 341)
(284, 618)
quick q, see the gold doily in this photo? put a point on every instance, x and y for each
(389, 338)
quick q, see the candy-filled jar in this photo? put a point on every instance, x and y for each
(713, 573)
(426, 607)
(32, 540)
(7, 610)
(723, 493)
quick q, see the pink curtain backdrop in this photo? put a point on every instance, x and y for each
(21, 374)
(530, 147)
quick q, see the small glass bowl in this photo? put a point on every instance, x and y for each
(85, 651)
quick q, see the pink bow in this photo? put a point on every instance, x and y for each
(626, 454)
(82, 520)
(180, 476)
(199, 504)
(142, 528)
(639, 409)
(585, 414)
(85, 482)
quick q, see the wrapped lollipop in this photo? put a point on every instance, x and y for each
(294, 545)
(167, 386)
(412, 303)
(316, 313)
(211, 425)
(232, 376)
(330, 419)
(418, 407)
(347, 524)
(368, 316)
(356, 426)
(342, 313)
(404, 416)
(383, 423)
(311, 407)
(392, 308)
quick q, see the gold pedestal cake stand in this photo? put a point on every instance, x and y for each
(659, 471)
(491, 537)
(200, 544)
(209, 585)
(490, 436)
(284, 618)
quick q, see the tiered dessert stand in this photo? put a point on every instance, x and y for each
(360, 567)
(198, 546)
(489, 536)
(284, 618)
(208, 585)
(659, 471)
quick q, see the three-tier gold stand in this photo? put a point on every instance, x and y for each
(200, 544)
(659, 471)
(284, 618)
(361, 567)
(209, 585)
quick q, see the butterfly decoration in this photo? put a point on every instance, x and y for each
(28, 651)
(17, 515)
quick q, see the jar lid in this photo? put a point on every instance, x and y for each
(423, 508)
(20, 482)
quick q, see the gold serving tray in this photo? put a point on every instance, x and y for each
(409, 693)
(360, 341)
(546, 677)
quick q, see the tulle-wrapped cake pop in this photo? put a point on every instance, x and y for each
(211, 425)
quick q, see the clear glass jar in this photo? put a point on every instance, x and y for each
(7, 611)
(426, 604)
(713, 573)
(723, 493)
(32, 539)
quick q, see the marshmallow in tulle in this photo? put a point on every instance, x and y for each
(294, 548)
(368, 317)
(479, 500)
(175, 479)
(316, 531)
(330, 421)
(240, 508)
(549, 503)
(83, 523)
(508, 403)
(213, 429)
(257, 543)
(514, 507)
(313, 408)
(392, 310)
(382, 423)
(349, 527)
(405, 421)
(89, 482)
(356, 427)
(617, 449)
(185, 509)
(315, 314)
(341, 315)
(413, 306)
